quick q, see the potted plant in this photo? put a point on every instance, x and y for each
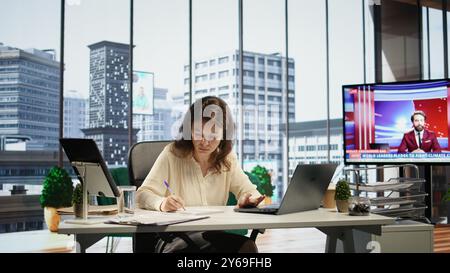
(342, 195)
(77, 200)
(261, 177)
(56, 193)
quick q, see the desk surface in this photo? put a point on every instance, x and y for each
(36, 241)
(234, 220)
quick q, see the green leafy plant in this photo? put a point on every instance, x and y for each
(57, 189)
(260, 176)
(77, 197)
(447, 196)
(342, 190)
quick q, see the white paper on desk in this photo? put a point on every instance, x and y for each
(155, 219)
(200, 211)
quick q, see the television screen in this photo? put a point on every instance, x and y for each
(403, 122)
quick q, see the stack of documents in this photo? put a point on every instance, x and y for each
(155, 219)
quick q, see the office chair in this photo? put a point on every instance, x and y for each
(141, 158)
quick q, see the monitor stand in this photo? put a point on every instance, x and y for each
(83, 168)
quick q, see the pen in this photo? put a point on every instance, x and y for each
(171, 191)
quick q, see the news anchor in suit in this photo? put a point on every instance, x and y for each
(419, 139)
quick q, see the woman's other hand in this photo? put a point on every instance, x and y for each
(247, 200)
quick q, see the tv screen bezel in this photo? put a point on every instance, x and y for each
(381, 162)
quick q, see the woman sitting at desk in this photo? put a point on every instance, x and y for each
(201, 169)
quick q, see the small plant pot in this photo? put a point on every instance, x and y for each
(52, 218)
(342, 205)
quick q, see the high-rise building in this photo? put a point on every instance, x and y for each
(75, 111)
(29, 96)
(265, 98)
(108, 100)
(156, 126)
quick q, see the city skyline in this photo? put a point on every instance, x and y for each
(162, 43)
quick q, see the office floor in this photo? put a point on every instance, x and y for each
(442, 239)
(285, 241)
(275, 240)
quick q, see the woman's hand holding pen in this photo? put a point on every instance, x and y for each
(172, 203)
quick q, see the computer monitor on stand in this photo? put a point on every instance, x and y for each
(92, 172)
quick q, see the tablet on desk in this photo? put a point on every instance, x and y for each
(85, 151)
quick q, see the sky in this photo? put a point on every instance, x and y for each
(161, 29)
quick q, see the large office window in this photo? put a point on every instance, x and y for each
(332, 43)
(346, 60)
(97, 53)
(160, 64)
(432, 43)
(29, 105)
(369, 39)
(436, 43)
(264, 97)
(215, 37)
(346, 42)
(307, 46)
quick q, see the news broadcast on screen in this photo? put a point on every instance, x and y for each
(403, 122)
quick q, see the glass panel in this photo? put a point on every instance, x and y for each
(215, 47)
(29, 107)
(161, 40)
(97, 69)
(265, 93)
(436, 44)
(307, 46)
(370, 41)
(346, 64)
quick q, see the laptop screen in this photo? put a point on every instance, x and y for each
(307, 187)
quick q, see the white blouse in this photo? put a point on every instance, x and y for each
(185, 178)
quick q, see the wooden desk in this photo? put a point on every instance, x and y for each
(334, 225)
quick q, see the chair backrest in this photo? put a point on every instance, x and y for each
(141, 158)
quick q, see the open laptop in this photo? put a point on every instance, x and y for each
(304, 192)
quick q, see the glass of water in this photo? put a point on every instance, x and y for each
(126, 202)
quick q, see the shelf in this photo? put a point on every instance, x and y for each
(402, 211)
(401, 200)
(384, 186)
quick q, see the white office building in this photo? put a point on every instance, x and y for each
(308, 143)
(29, 95)
(75, 113)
